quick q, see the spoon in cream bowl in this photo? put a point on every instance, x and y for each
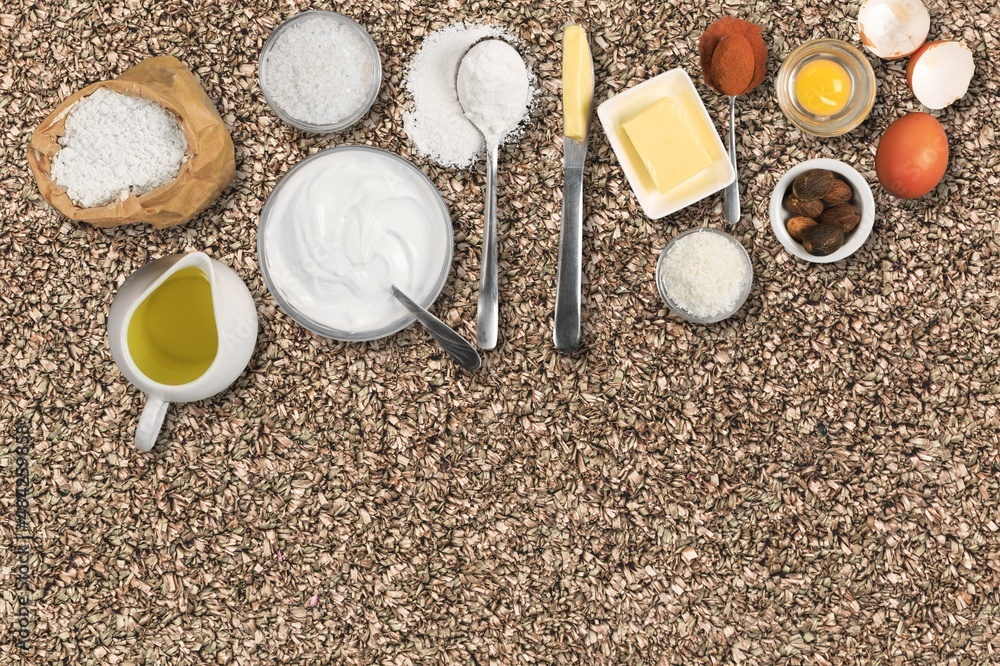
(457, 347)
(493, 90)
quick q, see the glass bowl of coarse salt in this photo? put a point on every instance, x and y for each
(704, 275)
(320, 71)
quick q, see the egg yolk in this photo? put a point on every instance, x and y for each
(823, 87)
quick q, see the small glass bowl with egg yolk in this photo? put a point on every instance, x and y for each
(826, 87)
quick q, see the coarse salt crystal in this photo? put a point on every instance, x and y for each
(114, 144)
(319, 70)
(704, 273)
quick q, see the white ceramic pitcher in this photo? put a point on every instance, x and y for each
(138, 347)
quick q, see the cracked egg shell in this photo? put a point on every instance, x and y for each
(939, 73)
(893, 29)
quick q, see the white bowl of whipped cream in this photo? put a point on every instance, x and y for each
(344, 225)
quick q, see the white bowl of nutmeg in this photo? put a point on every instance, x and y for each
(822, 211)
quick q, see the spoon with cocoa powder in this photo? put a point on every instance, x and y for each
(733, 62)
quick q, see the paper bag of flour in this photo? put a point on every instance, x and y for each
(208, 168)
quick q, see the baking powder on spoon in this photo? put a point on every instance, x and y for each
(435, 122)
(493, 88)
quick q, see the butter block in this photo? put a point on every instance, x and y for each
(667, 144)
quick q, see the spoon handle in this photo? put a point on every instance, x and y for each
(453, 343)
(731, 197)
(487, 312)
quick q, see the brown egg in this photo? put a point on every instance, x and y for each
(912, 156)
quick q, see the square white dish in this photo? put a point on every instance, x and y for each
(675, 84)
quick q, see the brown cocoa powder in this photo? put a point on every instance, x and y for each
(723, 27)
(732, 65)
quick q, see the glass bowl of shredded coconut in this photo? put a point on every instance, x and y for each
(320, 72)
(704, 275)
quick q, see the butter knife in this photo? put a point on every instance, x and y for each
(578, 105)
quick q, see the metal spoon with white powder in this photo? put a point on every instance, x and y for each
(493, 90)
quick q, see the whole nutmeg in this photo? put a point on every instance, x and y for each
(813, 184)
(823, 239)
(844, 216)
(813, 208)
(840, 193)
(798, 225)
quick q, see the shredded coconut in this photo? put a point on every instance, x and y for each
(493, 88)
(705, 274)
(114, 143)
(436, 123)
(319, 70)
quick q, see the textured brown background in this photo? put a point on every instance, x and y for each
(814, 481)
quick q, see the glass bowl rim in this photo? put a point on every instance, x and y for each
(681, 312)
(350, 119)
(847, 51)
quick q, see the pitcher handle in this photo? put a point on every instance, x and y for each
(150, 422)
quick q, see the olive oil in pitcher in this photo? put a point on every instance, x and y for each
(172, 335)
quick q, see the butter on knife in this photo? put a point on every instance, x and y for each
(578, 83)
(578, 103)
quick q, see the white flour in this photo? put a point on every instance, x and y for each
(493, 88)
(114, 143)
(436, 123)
